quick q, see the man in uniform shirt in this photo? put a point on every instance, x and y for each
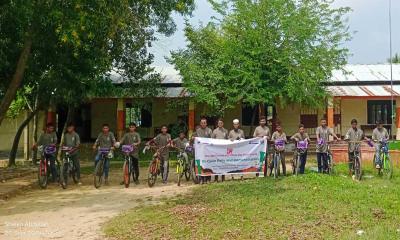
(180, 143)
(164, 140)
(262, 131)
(204, 132)
(236, 133)
(353, 135)
(276, 136)
(301, 135)
(220, 133)
(105, 139)
(378, 134)
(72, 140)
(49, 138)
(323, 132)
(133, 138)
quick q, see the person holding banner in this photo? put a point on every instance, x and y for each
(236, 134)
(220, 133)
(277, 136)
(262, 131)
(204, 132)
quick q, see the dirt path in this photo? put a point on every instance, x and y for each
(76, 213)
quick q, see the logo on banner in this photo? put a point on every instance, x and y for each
(229, 151)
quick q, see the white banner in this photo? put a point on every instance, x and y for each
(218, 157)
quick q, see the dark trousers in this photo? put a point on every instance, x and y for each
(106, 166)
(165, 164)
(322, 159)
(53, 170)
(135, 168)
(303, 160)
(351, 160)
(77, 165)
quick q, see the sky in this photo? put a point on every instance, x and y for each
(369, 20)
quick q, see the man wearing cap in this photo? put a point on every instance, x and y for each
(220, 133)
(236, 133)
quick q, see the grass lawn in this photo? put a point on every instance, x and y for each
(311, 206)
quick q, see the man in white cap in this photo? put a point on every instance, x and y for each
(236, 133)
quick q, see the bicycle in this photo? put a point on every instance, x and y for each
(279, 146)
(106, 154)
(386, 164)
(329, 158)
(301, 149)
(44, 165)
(68, 167)
(357, 169)
(182, 166)
(127, 168)
(155, 168)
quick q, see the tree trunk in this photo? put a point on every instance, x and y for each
(69, 117)
(35, 127)
(14, 148)
(16, 79)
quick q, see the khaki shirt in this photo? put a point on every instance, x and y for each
(378, 135)
(131, 138)
(162, 140)
(236, 134)
(71, 139)
(279, 136)
(105, 140)
(324, 134)
(262, 132)
(204, 133)
(300, 137)
(220, 133)
(354, 135)
(46, 139)
(180, 143)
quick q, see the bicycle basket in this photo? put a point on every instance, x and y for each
(51, 149)
(302, 145)
(189, 149)
(127, 148)
(104, 150)
(280, 145)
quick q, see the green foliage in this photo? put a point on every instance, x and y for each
(264, 51)
(395, 59)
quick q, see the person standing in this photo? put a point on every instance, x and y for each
(379, 134)
(72, 140)
(279, 135)
(46, 139)
(164, 140)
(106, 139)
(354, 135)
(236, 134)
(301, 135)
(220, 133)
(323, 132)
(262, 131)
(204, 132)
(133, 138)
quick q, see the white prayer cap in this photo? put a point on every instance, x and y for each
(236, 121)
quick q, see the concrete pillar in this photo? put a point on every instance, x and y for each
(51, 116)
(330, 113)
(397, 118)
(120, 117)
(191, 118)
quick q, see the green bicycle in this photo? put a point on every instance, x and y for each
(386, 164)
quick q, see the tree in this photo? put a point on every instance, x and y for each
(101, 34)
(395, 59)
(264, 52)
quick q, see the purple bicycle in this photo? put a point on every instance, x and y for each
(44, 164)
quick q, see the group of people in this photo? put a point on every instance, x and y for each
(106, 139)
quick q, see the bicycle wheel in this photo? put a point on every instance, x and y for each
(387, 167)
(196, 179)
(276, 166)
(179, 171)
(188, 171)
(42, 173)
(330, 164)
(64, 172)
(297, 165)
(152, 174)
(380, 171)
(73, 172)
(127, 178)
(98, 174)
(357, 168)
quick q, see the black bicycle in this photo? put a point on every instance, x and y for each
(44, 165)
(279, 146)
(127, 168)
(68, 168)
(357, 167)
(99, 168)
(301, 149)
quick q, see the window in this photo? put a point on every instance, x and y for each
(248, 112)
(141, 115)
(379, 110)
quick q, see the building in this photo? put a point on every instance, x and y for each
(364, 92)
